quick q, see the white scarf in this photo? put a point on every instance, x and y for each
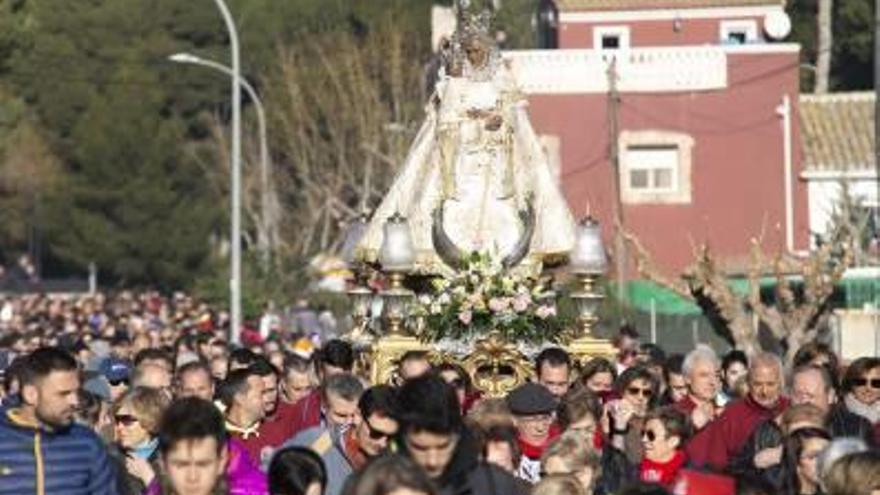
(871, 413)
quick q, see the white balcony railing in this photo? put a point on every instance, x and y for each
(638, 70)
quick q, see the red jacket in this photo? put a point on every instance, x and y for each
(724, 437)
(273, 432)
(306, 413)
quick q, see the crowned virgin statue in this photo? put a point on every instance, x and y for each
(476, 178)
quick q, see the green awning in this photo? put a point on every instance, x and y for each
(641, 294)
(858, 288)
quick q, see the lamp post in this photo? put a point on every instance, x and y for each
(361, 295)
(266, 200)
(397, 256)
(235, 234)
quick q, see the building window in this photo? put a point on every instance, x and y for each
(655, 167)
(611, 38)
(652, 169)
(738, 32)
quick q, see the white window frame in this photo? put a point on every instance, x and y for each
(680, 191)
(749, 27)
(622, 32)
(651, 188)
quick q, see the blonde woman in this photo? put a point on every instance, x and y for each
(571, 455)
(854, 474)
(136, 423)
(558, 484)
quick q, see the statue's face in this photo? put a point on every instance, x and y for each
(477, 54)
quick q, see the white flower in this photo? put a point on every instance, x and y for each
(444, 299)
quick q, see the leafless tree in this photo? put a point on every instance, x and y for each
(342, 112)
(798, 313)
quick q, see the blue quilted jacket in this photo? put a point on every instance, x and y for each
(34, 460)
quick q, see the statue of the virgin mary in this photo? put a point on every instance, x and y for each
(476, 178)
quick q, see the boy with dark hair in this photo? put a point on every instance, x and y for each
(192, 448)
(198, 455)
(38, 437)
(433, 434)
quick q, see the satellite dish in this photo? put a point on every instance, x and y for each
(777, 25)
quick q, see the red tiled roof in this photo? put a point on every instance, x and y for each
(837, 131)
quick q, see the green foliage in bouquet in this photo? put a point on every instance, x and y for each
(483, 297)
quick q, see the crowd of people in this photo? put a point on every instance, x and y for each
(142, 394)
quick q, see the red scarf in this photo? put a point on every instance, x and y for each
(353, 450)
(663, 473)
(533, 451)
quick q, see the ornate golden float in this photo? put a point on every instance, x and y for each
(476, 182)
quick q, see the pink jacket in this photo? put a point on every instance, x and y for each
(242, 475)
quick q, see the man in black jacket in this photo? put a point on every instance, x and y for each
(433, 435)
(815, 385)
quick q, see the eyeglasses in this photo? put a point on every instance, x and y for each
(645, 392)
(376, 434)
(861, 382)
(116, 383)
(651, 435)
(125, 419)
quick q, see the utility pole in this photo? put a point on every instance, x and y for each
(614, 157)
(877, 97)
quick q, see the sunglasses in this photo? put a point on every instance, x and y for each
(645, 392)
(125, 419)
(376, 434)
(861, 382)
(651, 435)
(116, 383)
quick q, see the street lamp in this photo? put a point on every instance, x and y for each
(265, 159)
(235, 234)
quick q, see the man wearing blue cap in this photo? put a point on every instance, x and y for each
(117, 372)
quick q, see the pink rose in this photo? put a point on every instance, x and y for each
(544, 312)
(498, 305)
(521, 303)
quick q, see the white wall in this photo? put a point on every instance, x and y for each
(824, 192)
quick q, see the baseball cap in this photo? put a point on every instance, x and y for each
(115, 369)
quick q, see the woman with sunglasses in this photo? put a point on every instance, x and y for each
(136, 418)
(663, 437)
(861, 389)
(636, 389)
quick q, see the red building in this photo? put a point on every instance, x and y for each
(705, 115)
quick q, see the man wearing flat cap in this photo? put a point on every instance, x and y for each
(533, 408)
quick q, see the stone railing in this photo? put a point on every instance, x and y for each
(638, 69)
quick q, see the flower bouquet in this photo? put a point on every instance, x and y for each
(483, 297)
